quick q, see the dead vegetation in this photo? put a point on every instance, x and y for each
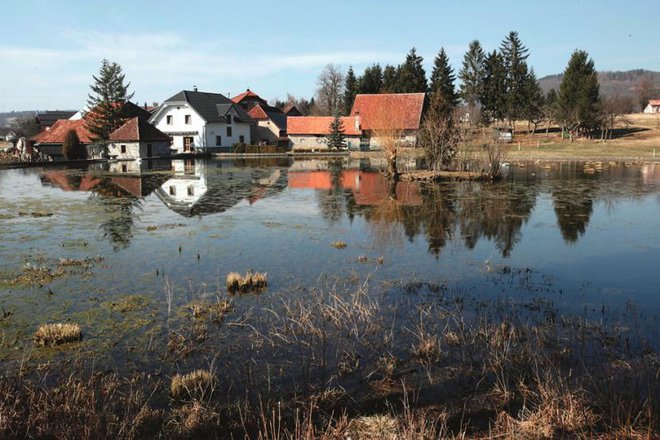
(198, 384)
(57, 334)
(251, 281)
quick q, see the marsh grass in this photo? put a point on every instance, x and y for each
(251, 281)
(198, 384)
(339, 244)
(57, 334)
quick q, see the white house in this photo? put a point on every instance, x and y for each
(202, 122)
(653, 107)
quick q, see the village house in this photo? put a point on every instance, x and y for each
(399, 114)
(138, 139)
(203, 122)
(309, 133)
(271, 121)
(292, 110)
(653, 106)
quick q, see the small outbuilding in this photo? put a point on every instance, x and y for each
(309, 133)
(653, 107)
(138, 139)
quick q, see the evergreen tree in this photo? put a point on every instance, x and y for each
(371, 81)
(442, 79)
(472, 74)
(106, 105)
(336, 139)
(350, 90)
(72, 149)
(493, 92)
(579, 95)
(390, 79)
(515, 62)
(534, 100)
(550, 108)
(411, 75)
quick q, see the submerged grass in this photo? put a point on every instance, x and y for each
(57, 334)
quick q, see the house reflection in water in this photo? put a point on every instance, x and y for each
(205, 188)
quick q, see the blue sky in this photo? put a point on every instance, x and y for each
(49, 50)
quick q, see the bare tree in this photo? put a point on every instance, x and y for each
(387, 133)
(439, 134)
(614, 107)
(330, 90)
(643, 90)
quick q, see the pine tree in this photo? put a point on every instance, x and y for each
(411, 76)
(350, 90)
(72, 149)
(371, 81)
(336, 139)
(442, 79)
(515, 62)
(472, 74)
(107, 102)
(550, 108)
(390, 79)
(579, 95)
(534, 100)
(493, 92)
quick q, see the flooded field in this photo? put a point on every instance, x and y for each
(374, 289)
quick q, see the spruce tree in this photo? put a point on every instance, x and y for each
(412, 77)
(336, 139)
(472, 74)
(493, 92)
(442, 79)
(106, 105)
(534, 100)
(515, 62)
(390, 79)
(579, 95)
(350, 90)
(371, 81)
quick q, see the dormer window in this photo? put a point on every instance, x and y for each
(228, 119)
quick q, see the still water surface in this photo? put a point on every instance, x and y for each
(582, 237)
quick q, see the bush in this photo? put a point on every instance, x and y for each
(72, 149)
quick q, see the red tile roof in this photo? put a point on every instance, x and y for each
(137, 129)
(247, 94)
(318, 125)
(401, 111)
(654, 102)
(257, 113)
(57, 133)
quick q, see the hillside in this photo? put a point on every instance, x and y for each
(611, 82)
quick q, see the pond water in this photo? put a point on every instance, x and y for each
(123, 249)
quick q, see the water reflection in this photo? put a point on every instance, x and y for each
(464, 212)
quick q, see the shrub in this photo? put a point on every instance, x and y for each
(72, 149)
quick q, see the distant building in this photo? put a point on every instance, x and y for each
(47, 119)
(130, 110)
(292, 110)
(309, 133)
(653, 107)
(271, 121)
(138, 139)
(203, 122)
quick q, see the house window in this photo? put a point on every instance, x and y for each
(188, 119)
(169, 120)
(124, 168)
(172, 190)
(228, 131)
(123, 149)
(241, 139)
(191, 191)
(218, 141)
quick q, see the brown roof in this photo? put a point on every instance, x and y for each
(292, 110)
(247, 94)
(401, 111)
(318, 125)
(57, 133)
(257, 113)
(654, 102)
(138, 129)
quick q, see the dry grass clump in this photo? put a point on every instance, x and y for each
(339, 244)
(194, 420)
(251, 281)
(384, 427)
(451, 338)
(197, 384)
(57, 334)
(216, 310)
(427, 348)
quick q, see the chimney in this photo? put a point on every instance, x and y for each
(357, 121)
(195, 88)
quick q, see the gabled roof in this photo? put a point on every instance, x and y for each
(402, 111)
(48, 118)
(262, 112)
(292, 110)
(212, 107)
(319, 125)
(654, 102)
(138, 129)
(57, 133)
(248, 95)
